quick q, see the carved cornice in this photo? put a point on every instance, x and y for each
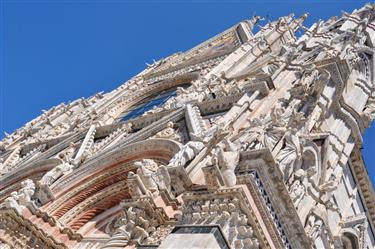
(197, 199)
(366, 188)
(163, 69)
(49, 241)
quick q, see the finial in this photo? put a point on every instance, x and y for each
(305, 15)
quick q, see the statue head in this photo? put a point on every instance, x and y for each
(170, 124)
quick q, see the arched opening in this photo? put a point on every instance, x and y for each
(90, 191)
(153, 95)
(349, 241)
(102, 181)
(308, 160)
(155, 100)
(311, 161)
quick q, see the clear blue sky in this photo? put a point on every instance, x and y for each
(58, 51)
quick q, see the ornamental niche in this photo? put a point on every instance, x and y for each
(251, 139)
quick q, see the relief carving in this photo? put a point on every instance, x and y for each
(150, 177)
(186, 154)
(21, 197)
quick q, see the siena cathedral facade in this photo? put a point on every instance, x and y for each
(251, 139)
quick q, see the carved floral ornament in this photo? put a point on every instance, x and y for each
(259, 143)
(140, 221)
(224, 154)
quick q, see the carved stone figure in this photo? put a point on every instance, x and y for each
(146, 170)
(307, 79)
(333, 180)
(186, 154)
(253, 21)
(314, 226)
(255, 138)
(226, 156)
(23, 196)
(54, 174)
(290, 155)
(164, 179)
(153, 176)
(264, 132)
(297, 188)
(351, 54)
(26, 191)
(260, 147)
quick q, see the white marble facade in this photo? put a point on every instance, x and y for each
(250, 140)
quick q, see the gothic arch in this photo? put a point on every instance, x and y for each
(158, 149)
(148, 91)
(83, 198)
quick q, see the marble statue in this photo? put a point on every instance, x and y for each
(259, 147)
(186, 154)
(153, 176)
(226, 156)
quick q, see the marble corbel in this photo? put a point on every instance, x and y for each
(227, 157)
(43, 194)
(194, 123)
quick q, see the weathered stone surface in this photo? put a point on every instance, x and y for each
(248, 140)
